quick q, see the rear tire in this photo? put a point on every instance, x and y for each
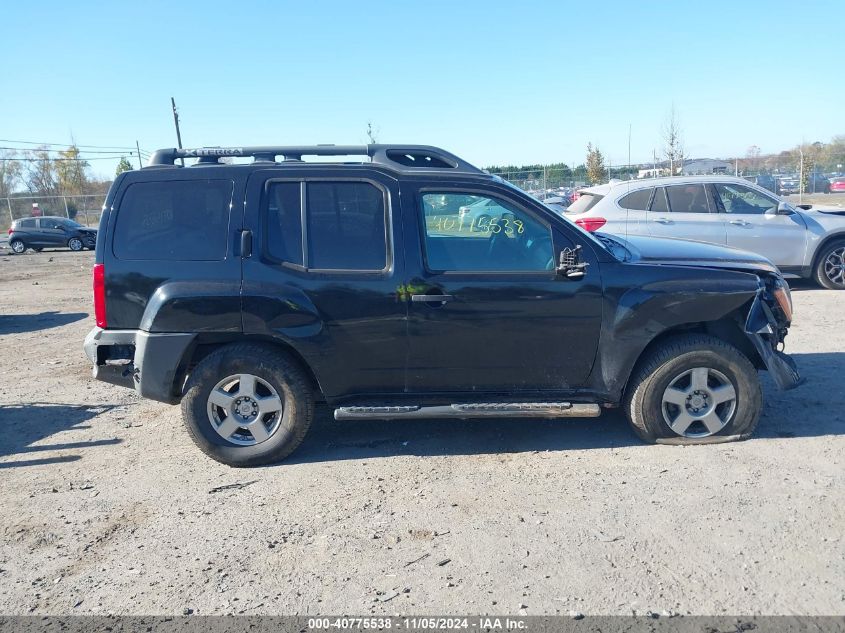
(273, 374)
(18, 247)
(694, 389)
(829, 271)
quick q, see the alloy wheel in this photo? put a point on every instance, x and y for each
(244, 409)
(834, 266)
(699, 402)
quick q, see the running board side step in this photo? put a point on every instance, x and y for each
(475, 410)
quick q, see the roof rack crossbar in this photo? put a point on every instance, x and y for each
(402, 157)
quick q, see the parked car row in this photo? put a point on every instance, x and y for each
(43, 232)
(803, 242)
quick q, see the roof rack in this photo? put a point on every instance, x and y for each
(408, 158)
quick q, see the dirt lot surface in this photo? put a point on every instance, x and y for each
(108, 507)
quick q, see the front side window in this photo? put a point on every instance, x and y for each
(687, 199)
(177, 220)
(465, 232)
(742, 199)
(636, 200)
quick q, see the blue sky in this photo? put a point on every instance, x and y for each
(495, 82)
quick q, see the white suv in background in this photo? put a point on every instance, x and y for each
(803, 242)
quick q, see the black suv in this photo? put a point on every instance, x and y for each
(50, 232)
(250, 291)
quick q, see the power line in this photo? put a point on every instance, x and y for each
(113, 147)
(85, 151)
(32, 160)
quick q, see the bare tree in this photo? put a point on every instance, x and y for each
(752, 158)
(595, 165)
(10, 172)
(40, 174)
(673, 143)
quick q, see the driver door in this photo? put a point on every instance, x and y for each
(753, 224)
(51, 232)
(487, 310)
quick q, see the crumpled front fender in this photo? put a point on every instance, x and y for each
(762, 328)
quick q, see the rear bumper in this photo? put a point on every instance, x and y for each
(149, 363)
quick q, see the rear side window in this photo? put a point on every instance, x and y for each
(179, 220)
(27, 224)
(284, 222)
(658, 203)
(687, 199)
(636, 200)
(585, 202)
(345, 226)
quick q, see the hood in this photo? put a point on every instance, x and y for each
(675, 252)
(814, 209)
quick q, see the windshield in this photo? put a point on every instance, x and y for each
(585, 202)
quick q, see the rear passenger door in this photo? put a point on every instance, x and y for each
(634, 206)
(326, 274)
(686, 211)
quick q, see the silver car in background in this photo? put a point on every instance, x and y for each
(806, 242)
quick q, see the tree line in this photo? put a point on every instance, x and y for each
(45, 172)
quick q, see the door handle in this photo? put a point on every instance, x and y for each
(246, 243)
(431, 298)
(740, 222)
(662, 220)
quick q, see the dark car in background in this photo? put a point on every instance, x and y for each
(50, 232)
(764, 180)
(816, 183)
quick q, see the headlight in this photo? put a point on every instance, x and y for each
(784, 297)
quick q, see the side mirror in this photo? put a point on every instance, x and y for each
(570, 265)
(784, 209)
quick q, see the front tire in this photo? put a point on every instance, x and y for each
(247, 405)
(694, 389)
(75, 244)
(829, 271)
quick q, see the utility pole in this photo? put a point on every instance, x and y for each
(801, 177)
(138, 147)
(176, 123)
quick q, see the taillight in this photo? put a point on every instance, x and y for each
(10, 230)
(591, 224)
(100, 295)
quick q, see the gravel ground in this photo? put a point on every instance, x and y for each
(109, 508)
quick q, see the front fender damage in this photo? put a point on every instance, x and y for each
(763, 329)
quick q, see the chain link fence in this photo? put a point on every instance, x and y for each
(83, 209)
